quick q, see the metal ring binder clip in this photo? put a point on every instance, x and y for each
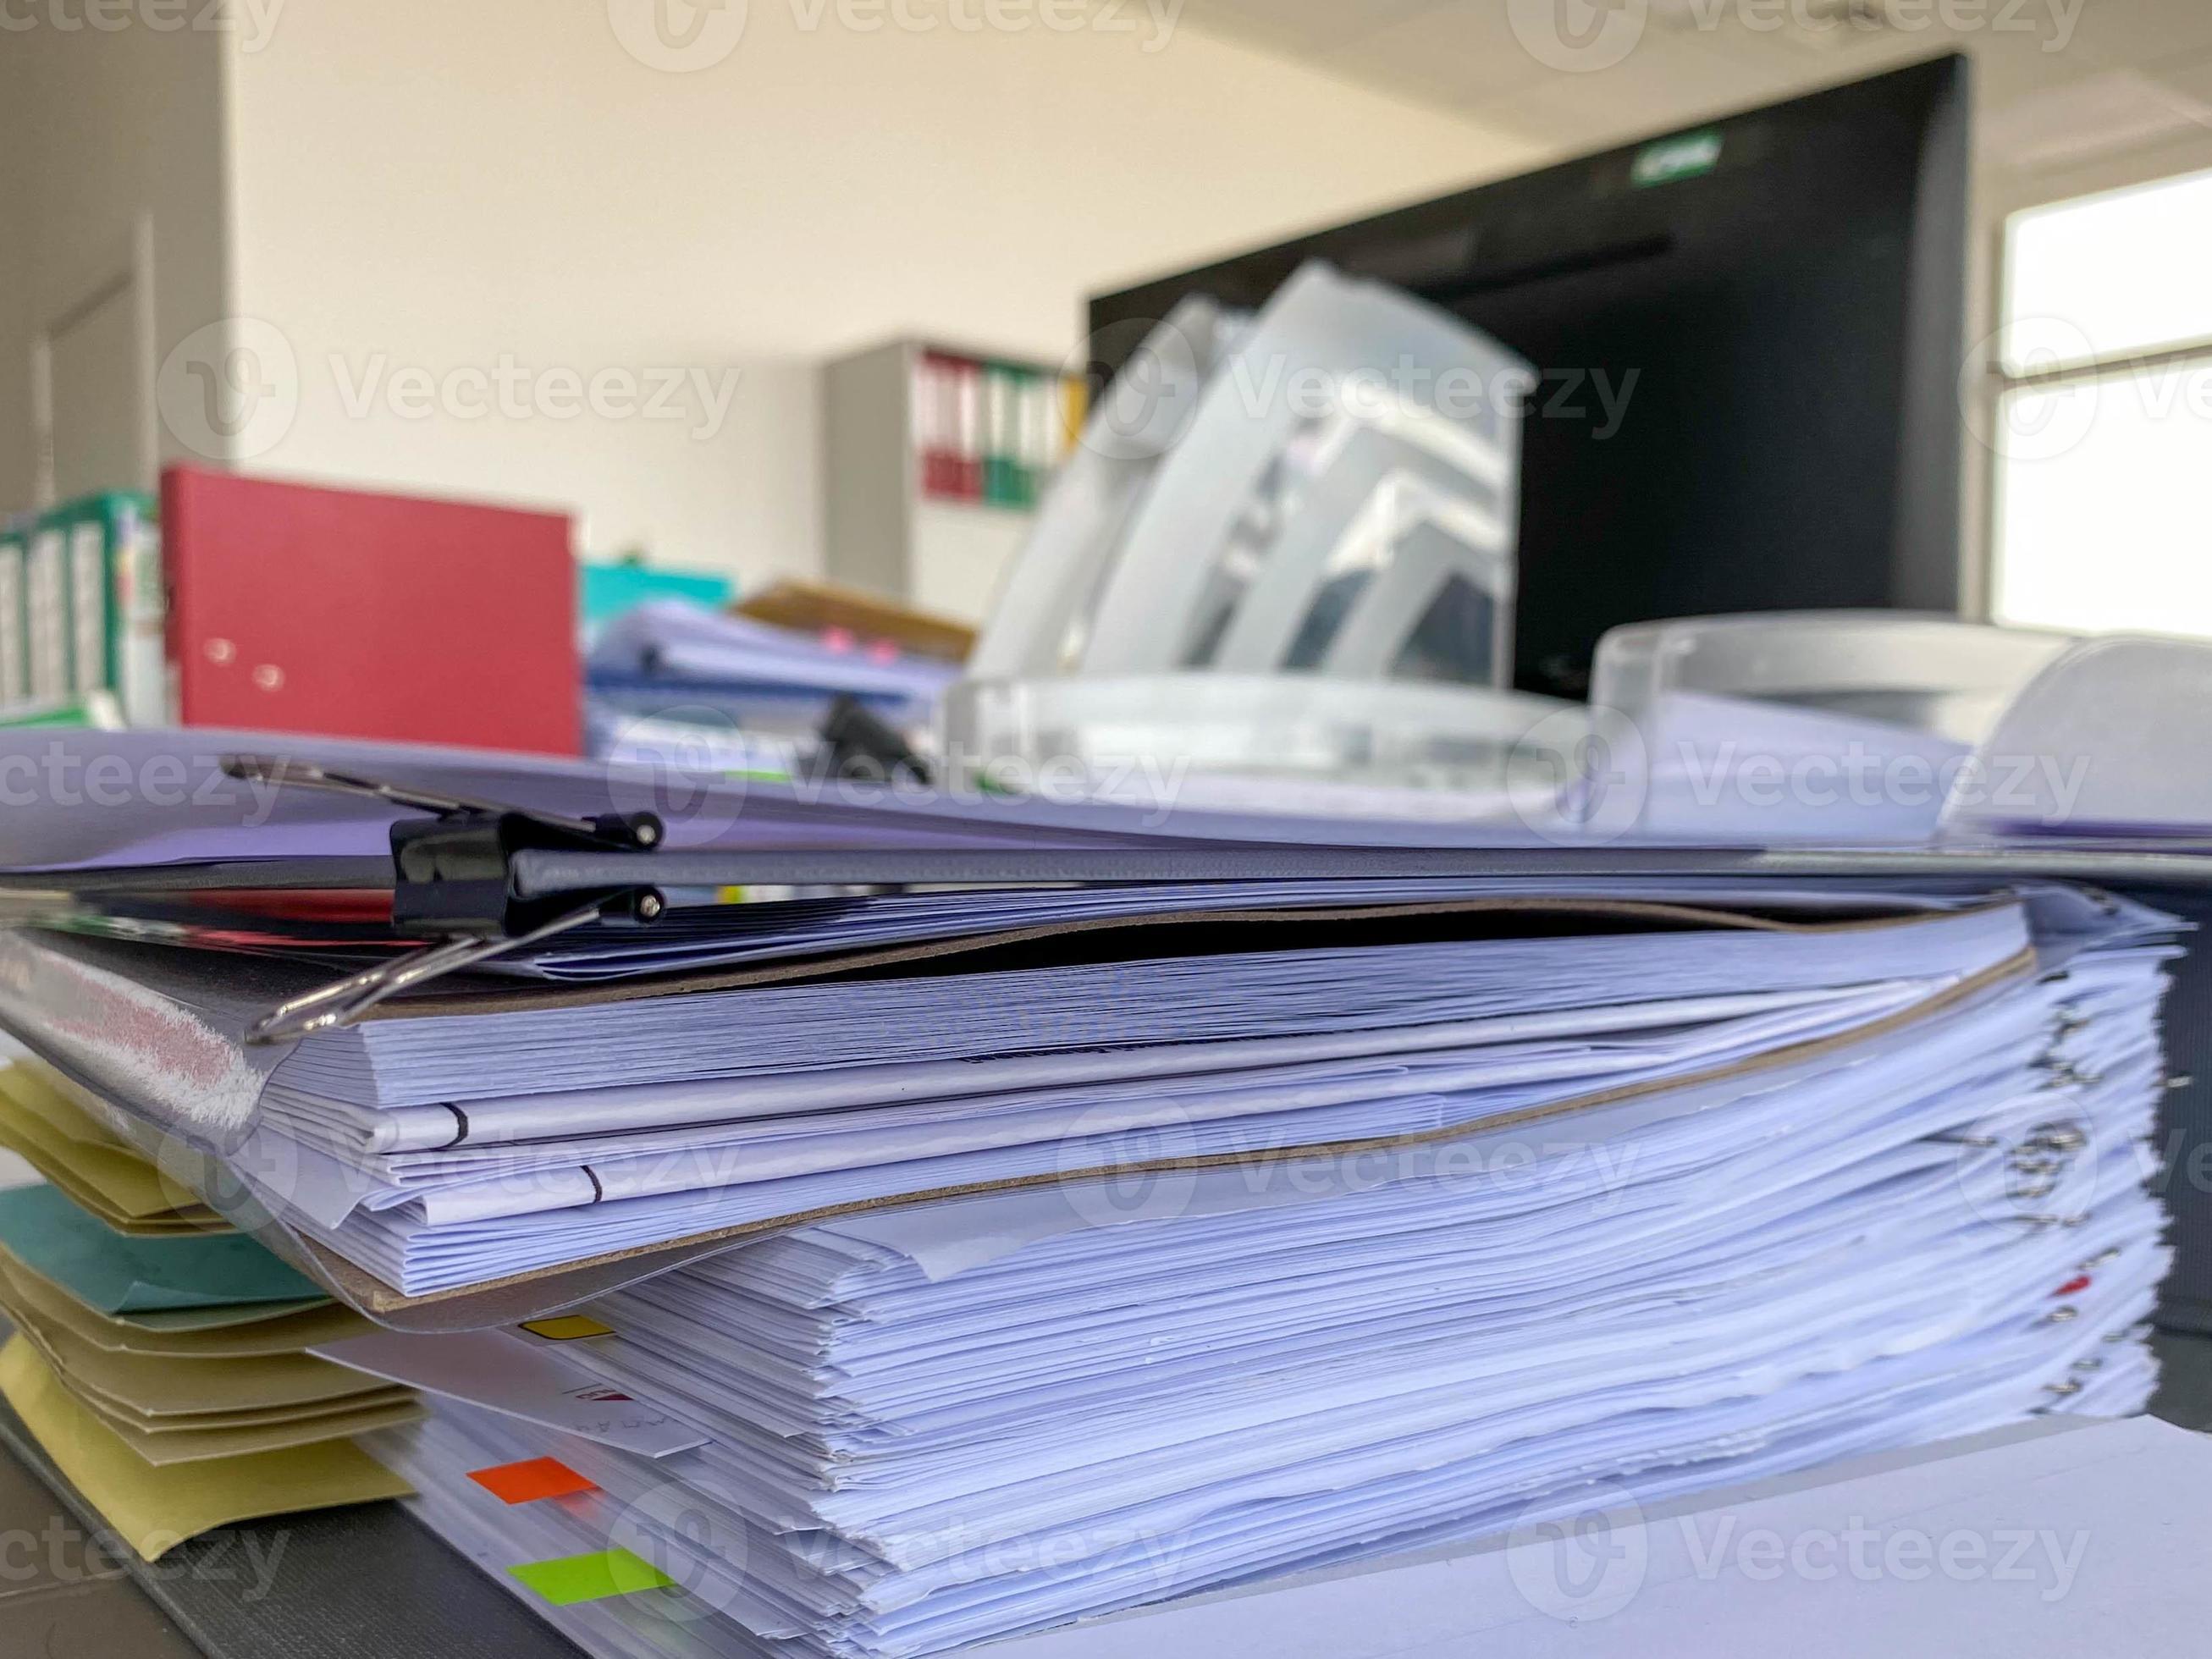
(2065, 1074)
(452, 886)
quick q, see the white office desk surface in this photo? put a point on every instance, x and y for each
(2058, 1540)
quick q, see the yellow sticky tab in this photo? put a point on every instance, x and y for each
(566, 1327)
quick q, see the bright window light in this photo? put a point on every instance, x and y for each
(2109, 276)
(2104, 468)
(2105, 524)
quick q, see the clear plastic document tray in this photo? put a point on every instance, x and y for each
(1931, 673)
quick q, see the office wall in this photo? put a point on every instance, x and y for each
(455, 192)
(98, 126)
(15, 459)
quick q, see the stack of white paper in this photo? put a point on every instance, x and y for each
(444, 1151)
(943, 1424)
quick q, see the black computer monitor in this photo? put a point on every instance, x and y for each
(1787, 288)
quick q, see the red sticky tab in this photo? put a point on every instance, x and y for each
(2073, 1286)
(526, 1483)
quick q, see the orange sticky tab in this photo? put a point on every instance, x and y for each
(526, 1483)
(566, 1327)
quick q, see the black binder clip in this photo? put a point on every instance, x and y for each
(452, 884)
(863, 747)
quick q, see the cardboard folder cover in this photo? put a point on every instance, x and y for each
(299, 1423)
(46, 1303)
(178, 1410)
(164, 1442)
(225, 1317)
(163, 1387)
(154, 1509)
(175, 1447)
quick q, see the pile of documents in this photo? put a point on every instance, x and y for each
(500, 1132)
(673, 684)
(941, 1425)
(1131, 1214)
(162, 1365)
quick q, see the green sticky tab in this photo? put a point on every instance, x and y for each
(593, 1578)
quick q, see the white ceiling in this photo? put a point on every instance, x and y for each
(2058, 80)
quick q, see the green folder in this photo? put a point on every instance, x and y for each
(606, 591)
(115, 1275)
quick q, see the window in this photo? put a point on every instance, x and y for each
(2103, 418)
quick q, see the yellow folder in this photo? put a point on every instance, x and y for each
(154, 1387)
(156, 1508)
(98, 1172)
